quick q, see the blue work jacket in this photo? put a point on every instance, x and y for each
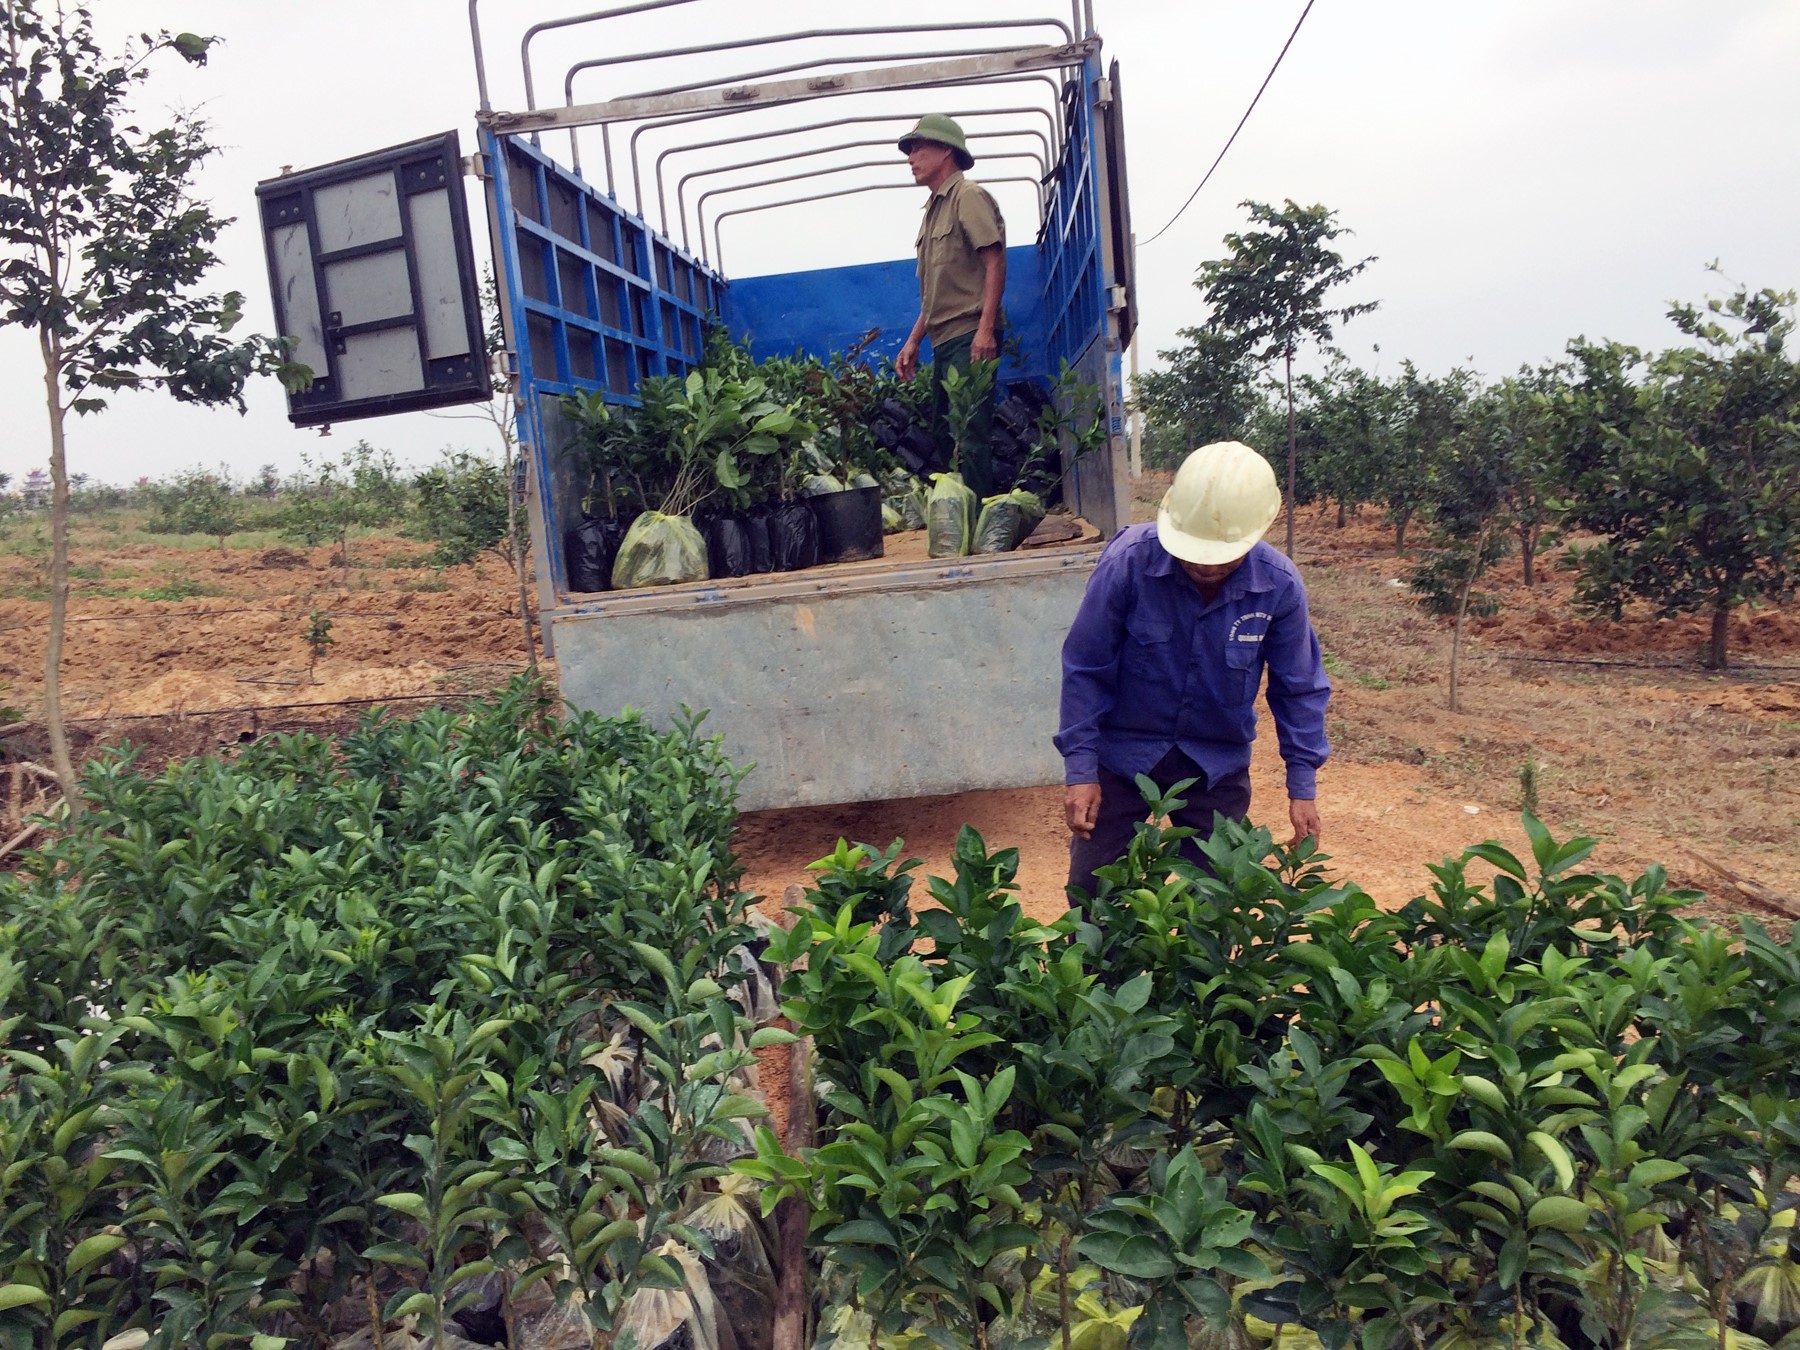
(1150, 665)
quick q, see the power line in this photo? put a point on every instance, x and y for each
(1240, 126)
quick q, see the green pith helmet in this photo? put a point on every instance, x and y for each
(943, 131)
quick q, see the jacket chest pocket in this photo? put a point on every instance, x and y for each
(1243, 668)
(1149, 650)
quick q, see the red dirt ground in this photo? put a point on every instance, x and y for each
(1643, 750)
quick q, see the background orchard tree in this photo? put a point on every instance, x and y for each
(1469, 474)
(360, 490)
(462, 509)
(1268, 296)
(104, 246)
(1428, 412)
(197, 501)
(1351, 429)
(1699, 497)
(1533, 469)
(1208, 393)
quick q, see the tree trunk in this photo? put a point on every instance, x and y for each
(1400, 533)
(1721, 621)
(1462, 610)
(793, 1292)
(518, 547)
(60, 759)
(1528, 553)
(1343, 513)
(1293, 490)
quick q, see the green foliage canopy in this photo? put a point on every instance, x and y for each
(1698, 494)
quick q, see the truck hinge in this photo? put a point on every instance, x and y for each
(1103, 94)
(1115, 297)
(476, 166)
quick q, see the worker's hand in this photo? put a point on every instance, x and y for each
(1304, 816)
(1081, 808)
(906, 365)
(985, 347)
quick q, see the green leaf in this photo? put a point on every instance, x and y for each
(69, 1319)
(407, 1303)
(725, 469)
(763, 1037)
(192, 47)
(21, 1296)
(864, 1232)
(1136, 1254)
(90, 1250)
(408, 1203)
(1655, 1171)
(1564, 1213)
(1513, 1255)
(657, 961)
(396, 1254)
(1483, 1091)
(1484, 1142)
(1499, 858)
(1161, 1327)
(1556, 1155)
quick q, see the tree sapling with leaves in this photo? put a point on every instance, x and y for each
(1268, 296)
(105, 248)
(318, 638)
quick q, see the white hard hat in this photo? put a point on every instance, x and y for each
(1224, 497)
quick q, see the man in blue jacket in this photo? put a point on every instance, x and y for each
(1162, 664)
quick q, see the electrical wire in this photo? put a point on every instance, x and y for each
(1240, 126)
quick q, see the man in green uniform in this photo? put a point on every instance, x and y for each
(962, 275)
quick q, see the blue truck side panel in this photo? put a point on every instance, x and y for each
(826, 310)
(599, 301)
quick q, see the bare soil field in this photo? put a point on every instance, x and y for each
(182, 647)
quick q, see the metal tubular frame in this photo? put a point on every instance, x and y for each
(598, 62)
(870, 59)
(700, 205)
(662, 206)
(864, 119)
(570, 21)
(826, 196)
(961, 67)
(1081, 20)
(1042, 158)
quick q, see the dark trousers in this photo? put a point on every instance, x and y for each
(976, 460)
(1122, 809)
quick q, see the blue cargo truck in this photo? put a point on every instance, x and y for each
(859, 681)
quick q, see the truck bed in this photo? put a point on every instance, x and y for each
(887, 678)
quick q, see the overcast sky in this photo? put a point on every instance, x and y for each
(1525, 171)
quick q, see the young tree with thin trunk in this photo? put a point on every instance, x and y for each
(1468, 517)
(104, 245)
(1269, 295)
